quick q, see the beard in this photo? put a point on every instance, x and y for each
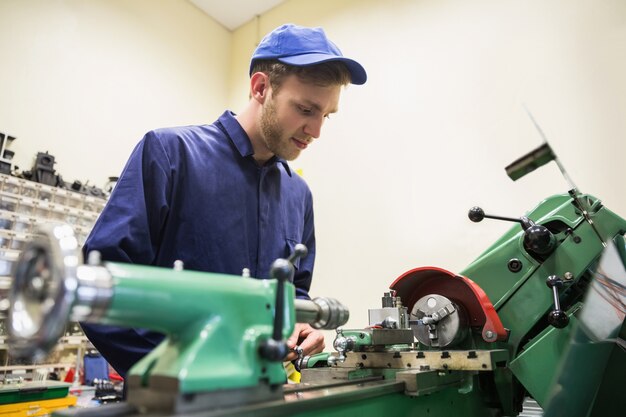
(274, 135)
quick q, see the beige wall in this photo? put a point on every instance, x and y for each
(86, 79)
(429, 135)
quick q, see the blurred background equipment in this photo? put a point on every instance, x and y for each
(30, 200)
(43, 170)
(6, 155)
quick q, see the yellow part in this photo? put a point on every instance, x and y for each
(36, 408)
(292, 374)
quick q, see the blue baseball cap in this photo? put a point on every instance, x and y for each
(301, 46)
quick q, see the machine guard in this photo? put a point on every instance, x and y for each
(419, 282)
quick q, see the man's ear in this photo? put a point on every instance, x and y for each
(259, 86)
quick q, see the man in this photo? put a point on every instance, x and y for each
(222, 197)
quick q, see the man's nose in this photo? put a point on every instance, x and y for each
(313, 128)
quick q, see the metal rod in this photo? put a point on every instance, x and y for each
(509, 219)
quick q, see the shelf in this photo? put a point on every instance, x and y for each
(25, 206)
(36, 366)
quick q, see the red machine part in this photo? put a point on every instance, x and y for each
(419, 282)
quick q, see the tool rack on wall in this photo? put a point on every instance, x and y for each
(25, 206)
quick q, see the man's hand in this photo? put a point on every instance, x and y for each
(310, 340)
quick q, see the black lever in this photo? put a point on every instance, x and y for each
(537, 238)
(476, 214)
(556, 317)
(275, 349)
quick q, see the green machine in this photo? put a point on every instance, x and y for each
(540, 313)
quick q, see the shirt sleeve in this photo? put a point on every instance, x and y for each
(304, 273)
(129, 228)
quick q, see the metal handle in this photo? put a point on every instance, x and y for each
(275, 349)
(556, 317)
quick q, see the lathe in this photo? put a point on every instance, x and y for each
(540, 313)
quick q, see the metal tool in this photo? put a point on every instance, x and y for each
(297, 363)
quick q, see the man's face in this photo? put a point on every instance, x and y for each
(293, 117)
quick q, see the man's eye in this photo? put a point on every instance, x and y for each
(327, 116)
(305, 110)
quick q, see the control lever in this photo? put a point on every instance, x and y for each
(342, 344)
(275, 349)
(556, 317)
(477, 214)
(298, 363)
(537, 238)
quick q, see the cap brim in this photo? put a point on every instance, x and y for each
(358, 75)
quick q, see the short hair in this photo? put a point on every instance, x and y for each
(325, 74)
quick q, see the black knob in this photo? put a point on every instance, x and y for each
(538, 239)
(558, 319)
(282, 270)
(476, 214)
(554, 281)
(273, 350)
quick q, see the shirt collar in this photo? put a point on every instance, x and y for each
(240, 139)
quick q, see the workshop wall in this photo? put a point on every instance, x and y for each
(441, 115)
(86, 79)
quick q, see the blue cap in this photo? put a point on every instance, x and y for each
(301, 46)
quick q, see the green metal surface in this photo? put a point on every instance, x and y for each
(610, 399)
(33, 391)
(490, 269)
(536, 366)
(361, 338)
(522, 298)
(533, 300)
(526, 288)
(588, 373)
(357, 399)
(214, 325)
(364, 403)
(318, 359)
(592, 369)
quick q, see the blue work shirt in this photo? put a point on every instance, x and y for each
(196, 194)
